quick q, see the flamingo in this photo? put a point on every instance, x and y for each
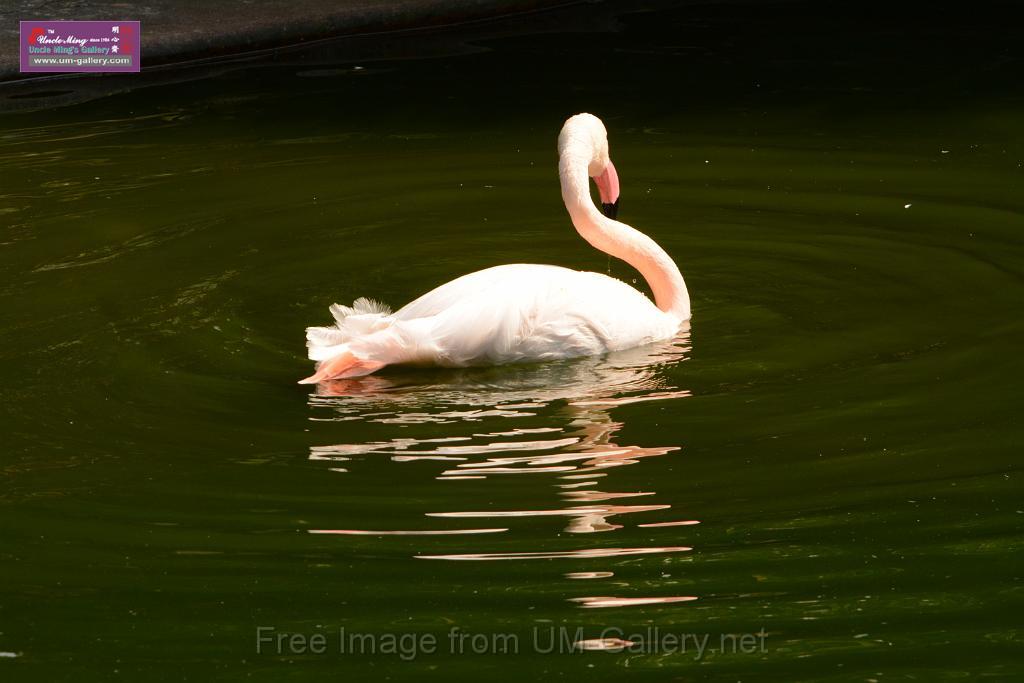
(522, 312)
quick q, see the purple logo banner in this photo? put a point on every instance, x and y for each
(68, 46)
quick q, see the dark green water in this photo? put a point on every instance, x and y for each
(842, 419)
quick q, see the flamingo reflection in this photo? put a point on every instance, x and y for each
(559, 424)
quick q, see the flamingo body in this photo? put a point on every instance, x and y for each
(521, 312)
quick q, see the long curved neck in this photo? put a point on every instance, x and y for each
(619, 239)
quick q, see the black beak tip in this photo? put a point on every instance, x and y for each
(610, 210)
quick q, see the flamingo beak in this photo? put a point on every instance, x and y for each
(608, 187)
(610, 210)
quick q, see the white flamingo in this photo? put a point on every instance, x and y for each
(522, 312)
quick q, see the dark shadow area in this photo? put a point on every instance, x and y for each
(911, 54)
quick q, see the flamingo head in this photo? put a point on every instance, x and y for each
(584, 137)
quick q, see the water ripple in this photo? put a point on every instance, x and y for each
(421, 532)
(556, 554)
(560, 429)
(605, 601)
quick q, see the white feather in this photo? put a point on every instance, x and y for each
(522, 312)
(503, 314)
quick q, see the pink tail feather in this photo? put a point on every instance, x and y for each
(341, 366)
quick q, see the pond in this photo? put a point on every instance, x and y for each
(819, 479)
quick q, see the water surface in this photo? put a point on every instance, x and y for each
(827, 457)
